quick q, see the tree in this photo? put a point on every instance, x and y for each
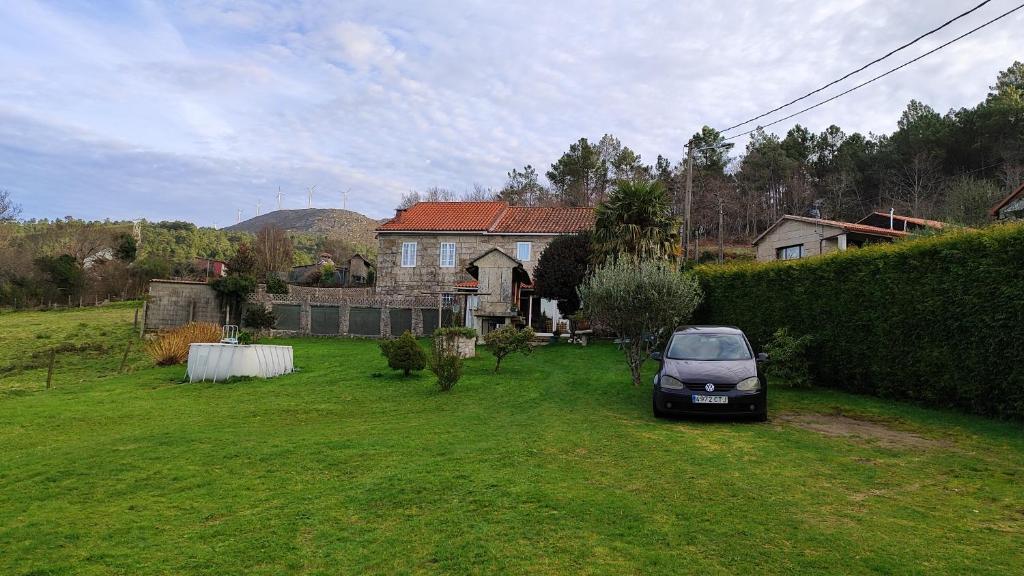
(64, 273)
(272, 250)
(635, 220)
(561, 270)
(404, 353)
(9, 211)
(243, 262)
(639, 301)
(578, 177)
(433, 194)
(126, 249)
(522, 188)
(259, 318)
(508, 340)
(967, 200)
(445, 362)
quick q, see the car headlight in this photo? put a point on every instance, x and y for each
(669, 383)
(751, 384)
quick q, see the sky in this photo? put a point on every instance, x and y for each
(194, 110)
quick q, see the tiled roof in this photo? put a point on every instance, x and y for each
(1002, 203)
(844, 226)
(489, 217)
(542, 220)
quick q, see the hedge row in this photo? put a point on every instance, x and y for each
(939, 320)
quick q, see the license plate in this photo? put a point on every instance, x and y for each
(701, 399)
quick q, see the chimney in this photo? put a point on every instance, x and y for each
(892, 211)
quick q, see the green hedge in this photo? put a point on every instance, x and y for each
(938, 320)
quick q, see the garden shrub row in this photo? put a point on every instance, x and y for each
(937, 320)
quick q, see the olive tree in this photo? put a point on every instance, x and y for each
(637, 300)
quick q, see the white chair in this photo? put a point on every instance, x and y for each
(229, 334)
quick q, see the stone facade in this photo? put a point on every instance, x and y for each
(428, 275)
(173, 303)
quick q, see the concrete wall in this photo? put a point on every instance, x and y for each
(428, 275)
(793, 232)
(173, 303)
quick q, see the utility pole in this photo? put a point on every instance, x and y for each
(688, 201)
(721, 229)
(278, 197)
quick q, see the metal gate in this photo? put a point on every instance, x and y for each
(287, 316)
(401, 320)
(364, 321)
(324, 320)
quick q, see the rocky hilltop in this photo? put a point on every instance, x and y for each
(353, 226)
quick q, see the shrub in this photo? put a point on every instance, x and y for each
(404, 353)
(934, 320)
(246, 338)
(638, 301)
(788, 363)
(508, 340)
(275, 285)
(446, 363)
(171, 346)
(561, 269)
(259, 318)
(463, 331)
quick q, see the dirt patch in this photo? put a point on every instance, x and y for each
(841, 426)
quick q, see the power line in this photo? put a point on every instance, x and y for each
(861, 69)
(882, 75)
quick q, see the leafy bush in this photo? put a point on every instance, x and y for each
(404, 353)
(233, 290)
(171, 346)
(464, 331)
(446, 363)
(935, 320)
(508, 340)
(788, 363)
(259, 318)
(638, 301)
(246, 338)
(275, 285)
(562, 268)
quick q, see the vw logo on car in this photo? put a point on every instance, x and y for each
(709, 387)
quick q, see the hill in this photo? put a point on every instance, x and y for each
(350, 225)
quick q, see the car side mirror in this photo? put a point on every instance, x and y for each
(656, 356)
(762, 357)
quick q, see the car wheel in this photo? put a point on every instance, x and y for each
(658, 413)
(761, 416)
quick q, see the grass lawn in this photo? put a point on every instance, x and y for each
(554, 466)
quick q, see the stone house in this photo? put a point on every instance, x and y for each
(1011, 207)
(477, 256)
(793, 237)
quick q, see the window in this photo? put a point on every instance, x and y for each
(523, 250)
(408, 254)
(447, 258)
(448, 300)
(790, 252)
(708, 347)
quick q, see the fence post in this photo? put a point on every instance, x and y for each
(49, 371)
(142, 325)
(124, 359)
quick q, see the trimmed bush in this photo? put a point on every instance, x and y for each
(259, 318)
(446, 363)
(171, 346)
(404, 353)
(939, 320)
(789, 365)
(508, 340)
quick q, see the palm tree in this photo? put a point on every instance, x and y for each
(636, 220)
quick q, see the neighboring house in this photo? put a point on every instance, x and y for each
(794, 237)
(209, 268)
(1011, 207)
(353, 271)
(484, 251)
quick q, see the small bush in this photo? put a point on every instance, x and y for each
(788, 362)
(246, 338)
(404, 353)
(445, 363)
(275, 285)
(463, 331)
(508, 340)
(171, 346)
(259, 318)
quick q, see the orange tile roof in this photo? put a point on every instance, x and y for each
(446, 216)
(489, 217)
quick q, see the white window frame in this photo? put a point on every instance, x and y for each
(519, 251)
(408, 255)
(446, 249)
(781, 251)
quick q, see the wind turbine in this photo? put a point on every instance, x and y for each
(279, 197)
(309, 196)
(344, 199)
(238, 217)
(259, 205)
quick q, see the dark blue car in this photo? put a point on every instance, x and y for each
(710, 370)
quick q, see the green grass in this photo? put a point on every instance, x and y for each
(554, 466)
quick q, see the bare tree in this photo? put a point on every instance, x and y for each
(9, 211)
(479, 193)
(917, 184)
(273, 250)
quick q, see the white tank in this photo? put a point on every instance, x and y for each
(222, 361)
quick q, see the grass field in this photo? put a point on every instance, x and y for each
(555, 466)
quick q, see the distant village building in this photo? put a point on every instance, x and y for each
(1011, 207)
(479, 255)
(353, 271)
(207, 268)
(793, 237)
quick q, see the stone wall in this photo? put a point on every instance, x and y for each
(428, 275)
(173, 303)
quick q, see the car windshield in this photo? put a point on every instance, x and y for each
(708, 347)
